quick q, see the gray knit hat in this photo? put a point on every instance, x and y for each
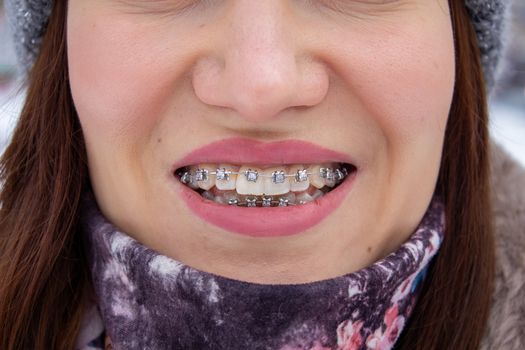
(28, 18)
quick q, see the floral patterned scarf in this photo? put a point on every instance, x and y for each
(149, 301)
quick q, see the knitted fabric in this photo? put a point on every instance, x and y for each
(29, 18)
(149, 301)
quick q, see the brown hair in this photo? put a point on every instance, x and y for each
(43, 269)
(454, 306)
(43, 171)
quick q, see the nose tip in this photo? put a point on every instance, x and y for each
(257, 65)
(260, 91)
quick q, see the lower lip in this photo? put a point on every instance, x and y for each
(267, 222)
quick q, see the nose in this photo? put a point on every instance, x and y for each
(259, 68)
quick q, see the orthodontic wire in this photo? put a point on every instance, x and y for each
(265, 201)
(323, 172)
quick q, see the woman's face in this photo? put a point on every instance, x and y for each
(266, 85)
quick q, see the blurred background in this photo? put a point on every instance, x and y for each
(507, 104)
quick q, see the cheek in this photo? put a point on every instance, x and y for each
(404, 81)
(403, 84)
(117, 84)
(416, 91)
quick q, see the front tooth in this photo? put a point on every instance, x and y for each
(244, 186)
(296, 185)
(275, 182)
(225, 181)
(203, 177)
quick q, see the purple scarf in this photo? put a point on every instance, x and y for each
(149, 301)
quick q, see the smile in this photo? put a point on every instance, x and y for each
(263, 189)
(260, 186)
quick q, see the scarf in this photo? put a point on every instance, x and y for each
(150, 301)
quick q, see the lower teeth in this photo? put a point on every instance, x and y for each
(289, 199)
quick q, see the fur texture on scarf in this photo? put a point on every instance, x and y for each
(506, 326)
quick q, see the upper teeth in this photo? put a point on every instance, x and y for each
(250, 180)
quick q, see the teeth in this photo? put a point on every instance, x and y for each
(317, 194)
(328, 175)
(251, 201)
(185, 178)
(303, 198)
(266, 201)
(275, 181)
(233, 201)
(287, 199)
(252, 186)
(300, 181)
(249, 181)
(193, 181)
(224, 179)
(339, 174)
(314, 192)
(225, 197)
(315, 177)
(202, 177)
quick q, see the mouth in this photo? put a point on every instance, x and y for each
(259, 185)
(264, 189)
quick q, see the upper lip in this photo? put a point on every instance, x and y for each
(248, 151)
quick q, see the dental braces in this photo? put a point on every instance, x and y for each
(277, 177)
(264, 202)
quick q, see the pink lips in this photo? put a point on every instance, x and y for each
(264, 222)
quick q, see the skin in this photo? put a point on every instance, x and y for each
(153, 80)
